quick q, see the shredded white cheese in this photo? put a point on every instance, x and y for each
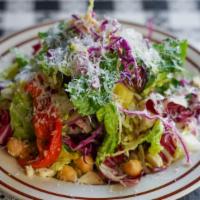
(140, 49)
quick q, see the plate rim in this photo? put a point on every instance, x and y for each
(51, 22)
(182, 191)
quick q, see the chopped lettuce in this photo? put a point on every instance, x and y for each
(110, 117)
(20, 58)
(21, 114)
(156, 82)
(152, 137)
(7, 92)
(56, 40)
(172, 53)
(89, 100)
(83, 97)
(11, 71)
(64, 158)
(56, 35)
(123, 95)
(93, 77)
(110, 62)
(42, 35)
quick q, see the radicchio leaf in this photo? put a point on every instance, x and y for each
(89, 139)
(84, 144)
(183, 82)
(168, 141)
(115, 161)
(36, 48)
(5, 127)
(150, 106)
(94, 52)
(112, 174)
(194, 104)
(140, 78)
(125, 76)
(103, 25)
(178, 112)
(69, 142)
(76, 17)
(169, 124)
(123, 49)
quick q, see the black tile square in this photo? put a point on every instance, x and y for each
(198, 4)
(103, 5)
(46, 5)
(154, 5)
(2, 5)
(1, 33)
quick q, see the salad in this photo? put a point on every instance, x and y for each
(97, 103)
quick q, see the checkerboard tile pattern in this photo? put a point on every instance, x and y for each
(180, 17)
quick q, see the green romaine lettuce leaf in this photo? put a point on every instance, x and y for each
(156, 82)
(110, 62)
(172, 53)
(153, 137)
(109, 115)
(21, 114)
(89, 100)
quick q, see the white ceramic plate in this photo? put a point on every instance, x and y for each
(173, 183)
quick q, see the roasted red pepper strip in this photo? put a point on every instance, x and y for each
(50, 155)
(48, 135)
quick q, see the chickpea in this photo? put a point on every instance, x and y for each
(84, 164)
(91, 178)
(15, 147)
(78, 171)
(67, 174)
(19, 148)
(132, 168)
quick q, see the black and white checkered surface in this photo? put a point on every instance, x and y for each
(180, 17)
